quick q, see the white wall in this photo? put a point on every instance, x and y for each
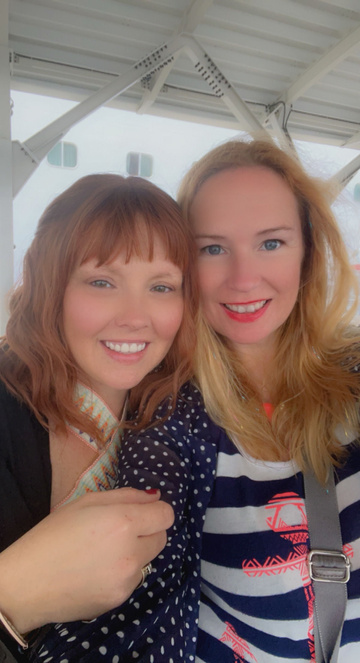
(104, 138)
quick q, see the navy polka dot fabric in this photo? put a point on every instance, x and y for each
(158, 624)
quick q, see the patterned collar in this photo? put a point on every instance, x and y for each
(92, 405)
(102, 473)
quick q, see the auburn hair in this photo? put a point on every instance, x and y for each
(97, 217)
(315, 381)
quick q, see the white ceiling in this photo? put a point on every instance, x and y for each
(303, 55)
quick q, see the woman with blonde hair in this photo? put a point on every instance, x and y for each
(277, 366)
(274, 399)
(106, 304)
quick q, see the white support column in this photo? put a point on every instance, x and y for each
(6, 223)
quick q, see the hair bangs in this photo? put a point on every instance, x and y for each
(132, 228)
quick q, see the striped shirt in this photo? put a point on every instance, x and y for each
(256, 594)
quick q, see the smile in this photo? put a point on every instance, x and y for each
(246, 308)
(125, 348)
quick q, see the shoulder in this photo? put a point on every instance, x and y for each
(189, 412)
(10, 404)
(25, 469)
(190, 400)
(189, 429)
(18, 424)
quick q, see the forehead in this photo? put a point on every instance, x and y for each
(134, 239)
(256, 194)
(146, 248)
(142, 262)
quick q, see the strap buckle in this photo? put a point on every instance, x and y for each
(329, 566)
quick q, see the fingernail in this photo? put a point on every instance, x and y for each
(151, 491)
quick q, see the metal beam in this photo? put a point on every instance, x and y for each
(326, 63)
(194, 15)
(221, 87)
(345, 174)
(191, 19)
(154, 85)
(279, 129)
(28, 155)
(354, 141)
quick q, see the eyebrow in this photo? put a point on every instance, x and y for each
(261, 232)
(276, 230)
(114, 270)
(214, 237)
(165, 275)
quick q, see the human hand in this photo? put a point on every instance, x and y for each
(83, 559)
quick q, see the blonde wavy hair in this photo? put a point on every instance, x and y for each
(97, 217)
(316, 385)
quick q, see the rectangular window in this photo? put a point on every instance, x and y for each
(139, 164)
(63, 155)
(54, 156)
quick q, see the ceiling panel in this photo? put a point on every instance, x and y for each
(74, 47)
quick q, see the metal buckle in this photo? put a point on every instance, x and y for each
(329, 566)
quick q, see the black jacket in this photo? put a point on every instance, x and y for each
(25, 482)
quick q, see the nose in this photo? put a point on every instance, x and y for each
(244, 273)
(132, 312)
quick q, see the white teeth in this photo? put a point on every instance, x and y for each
(246, 308)
(125, 348)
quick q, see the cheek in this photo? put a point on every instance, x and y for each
(290, 282)
(208, 281)
(169, 322)
(296, 273)
(286, 271)
(78, 317)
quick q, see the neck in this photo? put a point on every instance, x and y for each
(117, 404)
(259, 364)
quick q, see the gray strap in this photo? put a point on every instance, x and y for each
(329, 567)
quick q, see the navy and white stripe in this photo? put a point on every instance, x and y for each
(256, 596)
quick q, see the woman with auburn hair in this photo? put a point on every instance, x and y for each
(106, 304)
(275, 399)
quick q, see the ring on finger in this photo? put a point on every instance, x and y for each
(145, 572)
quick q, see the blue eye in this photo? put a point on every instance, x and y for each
(213, 250)
(100, 283)
(271, 244)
